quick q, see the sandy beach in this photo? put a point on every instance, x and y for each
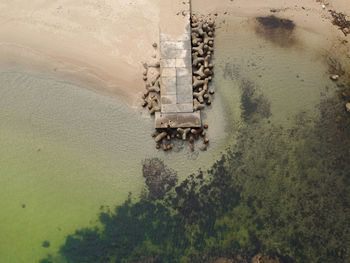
(102, 44)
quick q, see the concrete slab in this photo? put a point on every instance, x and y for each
(184, 107)
(169, 99)
(183, 63)
(180, 72)
(176, 73)
(168, 53)
(169, 108)
(168, 72)
(183, 53)
(169, 45)
(167, 62)
(185, 98)
(186, 37)
(178, 120)
(184, 80)
(169, 85)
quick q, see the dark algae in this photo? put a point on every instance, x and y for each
(281, 192)
(253, 104)
(279, 31)
(272, 22)
(46, 244)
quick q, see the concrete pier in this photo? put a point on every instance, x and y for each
(176, 94)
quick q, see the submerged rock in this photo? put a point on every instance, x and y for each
(159, 178)
(334, 77)
(347, 106)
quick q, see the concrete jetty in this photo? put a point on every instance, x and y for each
(176, 94)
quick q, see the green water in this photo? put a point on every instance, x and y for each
(64, 152)
(67, 150)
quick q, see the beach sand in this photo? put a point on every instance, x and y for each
(102, 43)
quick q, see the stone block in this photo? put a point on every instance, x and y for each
(184, 98)
(183, 53)
(168, 72)
(187, 45)
(180, 72)
(183, 80)
(186, 37)
(167, 45)
(168, 53)
(168, 99)
(169, 108)
(169, 85)
(185, 107)
(183, 63)
(178, 120)
(167, 63)
(164, 37)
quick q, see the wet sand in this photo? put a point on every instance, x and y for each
(101, 45)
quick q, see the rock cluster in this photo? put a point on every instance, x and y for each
(340, 20)
(164, 137)
(151, 97)
(202, 51)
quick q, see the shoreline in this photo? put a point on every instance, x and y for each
(106, 55)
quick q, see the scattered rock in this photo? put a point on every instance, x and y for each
(169, 147)
(155, 45)
(203, 146)
(340, 20)
(205, 126)
(347, 106)
(334, 77)
(161, 136)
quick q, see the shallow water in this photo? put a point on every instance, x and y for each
(66, 150)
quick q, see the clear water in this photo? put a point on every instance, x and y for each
(66, 150)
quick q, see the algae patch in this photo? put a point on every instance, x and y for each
(277, 30)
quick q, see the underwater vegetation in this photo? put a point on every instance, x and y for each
(279, 31)
(282, 192)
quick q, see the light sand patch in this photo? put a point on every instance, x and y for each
(99, 42)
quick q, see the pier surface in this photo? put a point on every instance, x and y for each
(176, 94)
